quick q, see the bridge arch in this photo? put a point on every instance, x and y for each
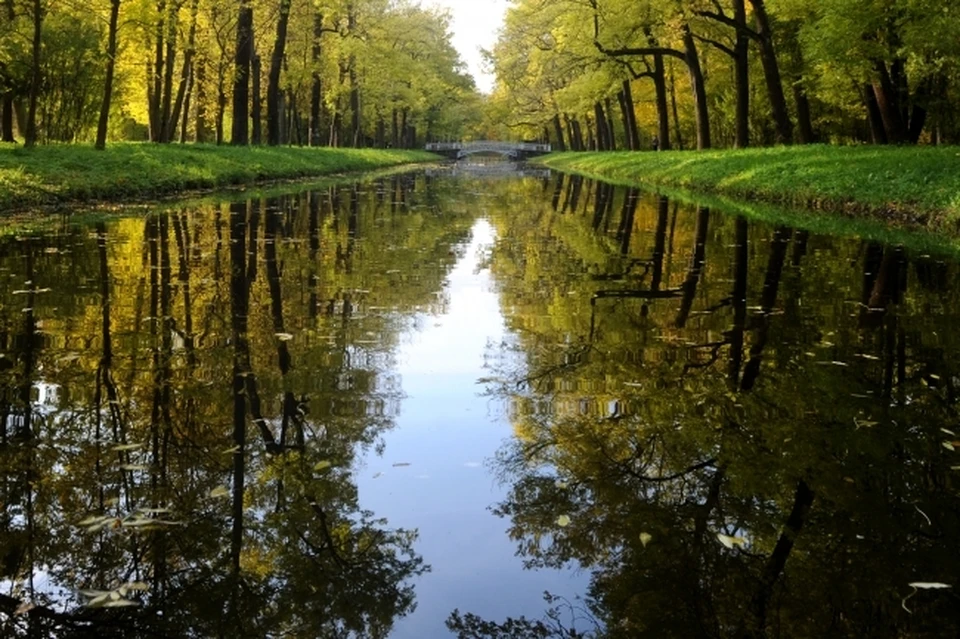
(512, 150)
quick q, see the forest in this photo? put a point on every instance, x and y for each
(618, 75)
(361, 73)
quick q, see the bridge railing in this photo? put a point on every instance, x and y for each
(489, 145)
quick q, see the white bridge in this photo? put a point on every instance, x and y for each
(512, 150)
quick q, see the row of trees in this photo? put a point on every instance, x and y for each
(311, 72)
(758, 72)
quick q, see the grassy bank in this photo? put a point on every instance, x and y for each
(912, 186)
(52, 175)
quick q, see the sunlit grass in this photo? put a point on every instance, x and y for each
(911, 185)
(60, 174)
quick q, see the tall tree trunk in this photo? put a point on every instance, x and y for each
(355, 132)
(30, 136)
(241, 80)
(201, 84)
(6, 100)
(874, 118)
(663, 115)
(676, 113)
(256, 103)
(633, 132)
(577, 136)
(771, 73)
(887, 96)
(273, 80)
(155, 82)
(741, 62)
(699, 89)
(611, 134)
(185, 71)
(316, 84)
(558, 130)
(101, 142)
(603, 137)
(187, 103)
(166, 108)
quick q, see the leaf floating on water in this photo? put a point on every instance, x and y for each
(929, 585)
(284, 337)
(949, 446)
(948, 432)
(645, 538)
(378, 475)
(134, 467)
(563, 521)
(24, 608)
(120, 603)
(402, 464)
(231, 451)
(731, 542)
(220, 491)
(323, 465)
(562, 485)
(124, 447)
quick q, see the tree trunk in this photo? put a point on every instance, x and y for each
(101, 142)
(316, 83)
(887, 101)
(676, 113)
(166, 131)
(273, 80)
(185, 72)
(603, 136)
(201, 100)
(155, 79)
(611, 135)
(558, 130)
(625, 118)
(877, 131)
(187, 103)
(6, 110)
(256, 103)
(577, 136)
(355, 132)
(663, 115)
(741, 61)
(771, 73)
(699, 89)
(30, 136)
(241, 81)
(633, 133)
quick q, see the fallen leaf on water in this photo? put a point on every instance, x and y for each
(731, 542)
(133, 467)
(24, 608)
(949, 446)
(220, 491)
(562, 485)
(284, 337)
(123, 447)
(929, 585)
(402, 464)
(645, 538)
(323, 465)
(563, 521)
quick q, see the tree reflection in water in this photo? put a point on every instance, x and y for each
(182, 400)
(734, 442)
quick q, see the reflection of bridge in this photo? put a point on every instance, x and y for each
(493, 169)
(512, 150)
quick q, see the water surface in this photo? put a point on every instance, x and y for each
(351, 410)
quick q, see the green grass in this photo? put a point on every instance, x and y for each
(61, 174)
(907, 186)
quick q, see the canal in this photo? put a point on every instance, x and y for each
(478, 402)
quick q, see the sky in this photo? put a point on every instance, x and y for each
(475, 25)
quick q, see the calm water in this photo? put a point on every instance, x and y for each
(354, 410)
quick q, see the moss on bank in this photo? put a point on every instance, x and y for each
(51, 175)
(910, 186)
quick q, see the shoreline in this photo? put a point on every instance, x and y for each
(914, 188)
(60, 176)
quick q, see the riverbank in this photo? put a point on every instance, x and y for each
(906, 186)
(61, 174)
